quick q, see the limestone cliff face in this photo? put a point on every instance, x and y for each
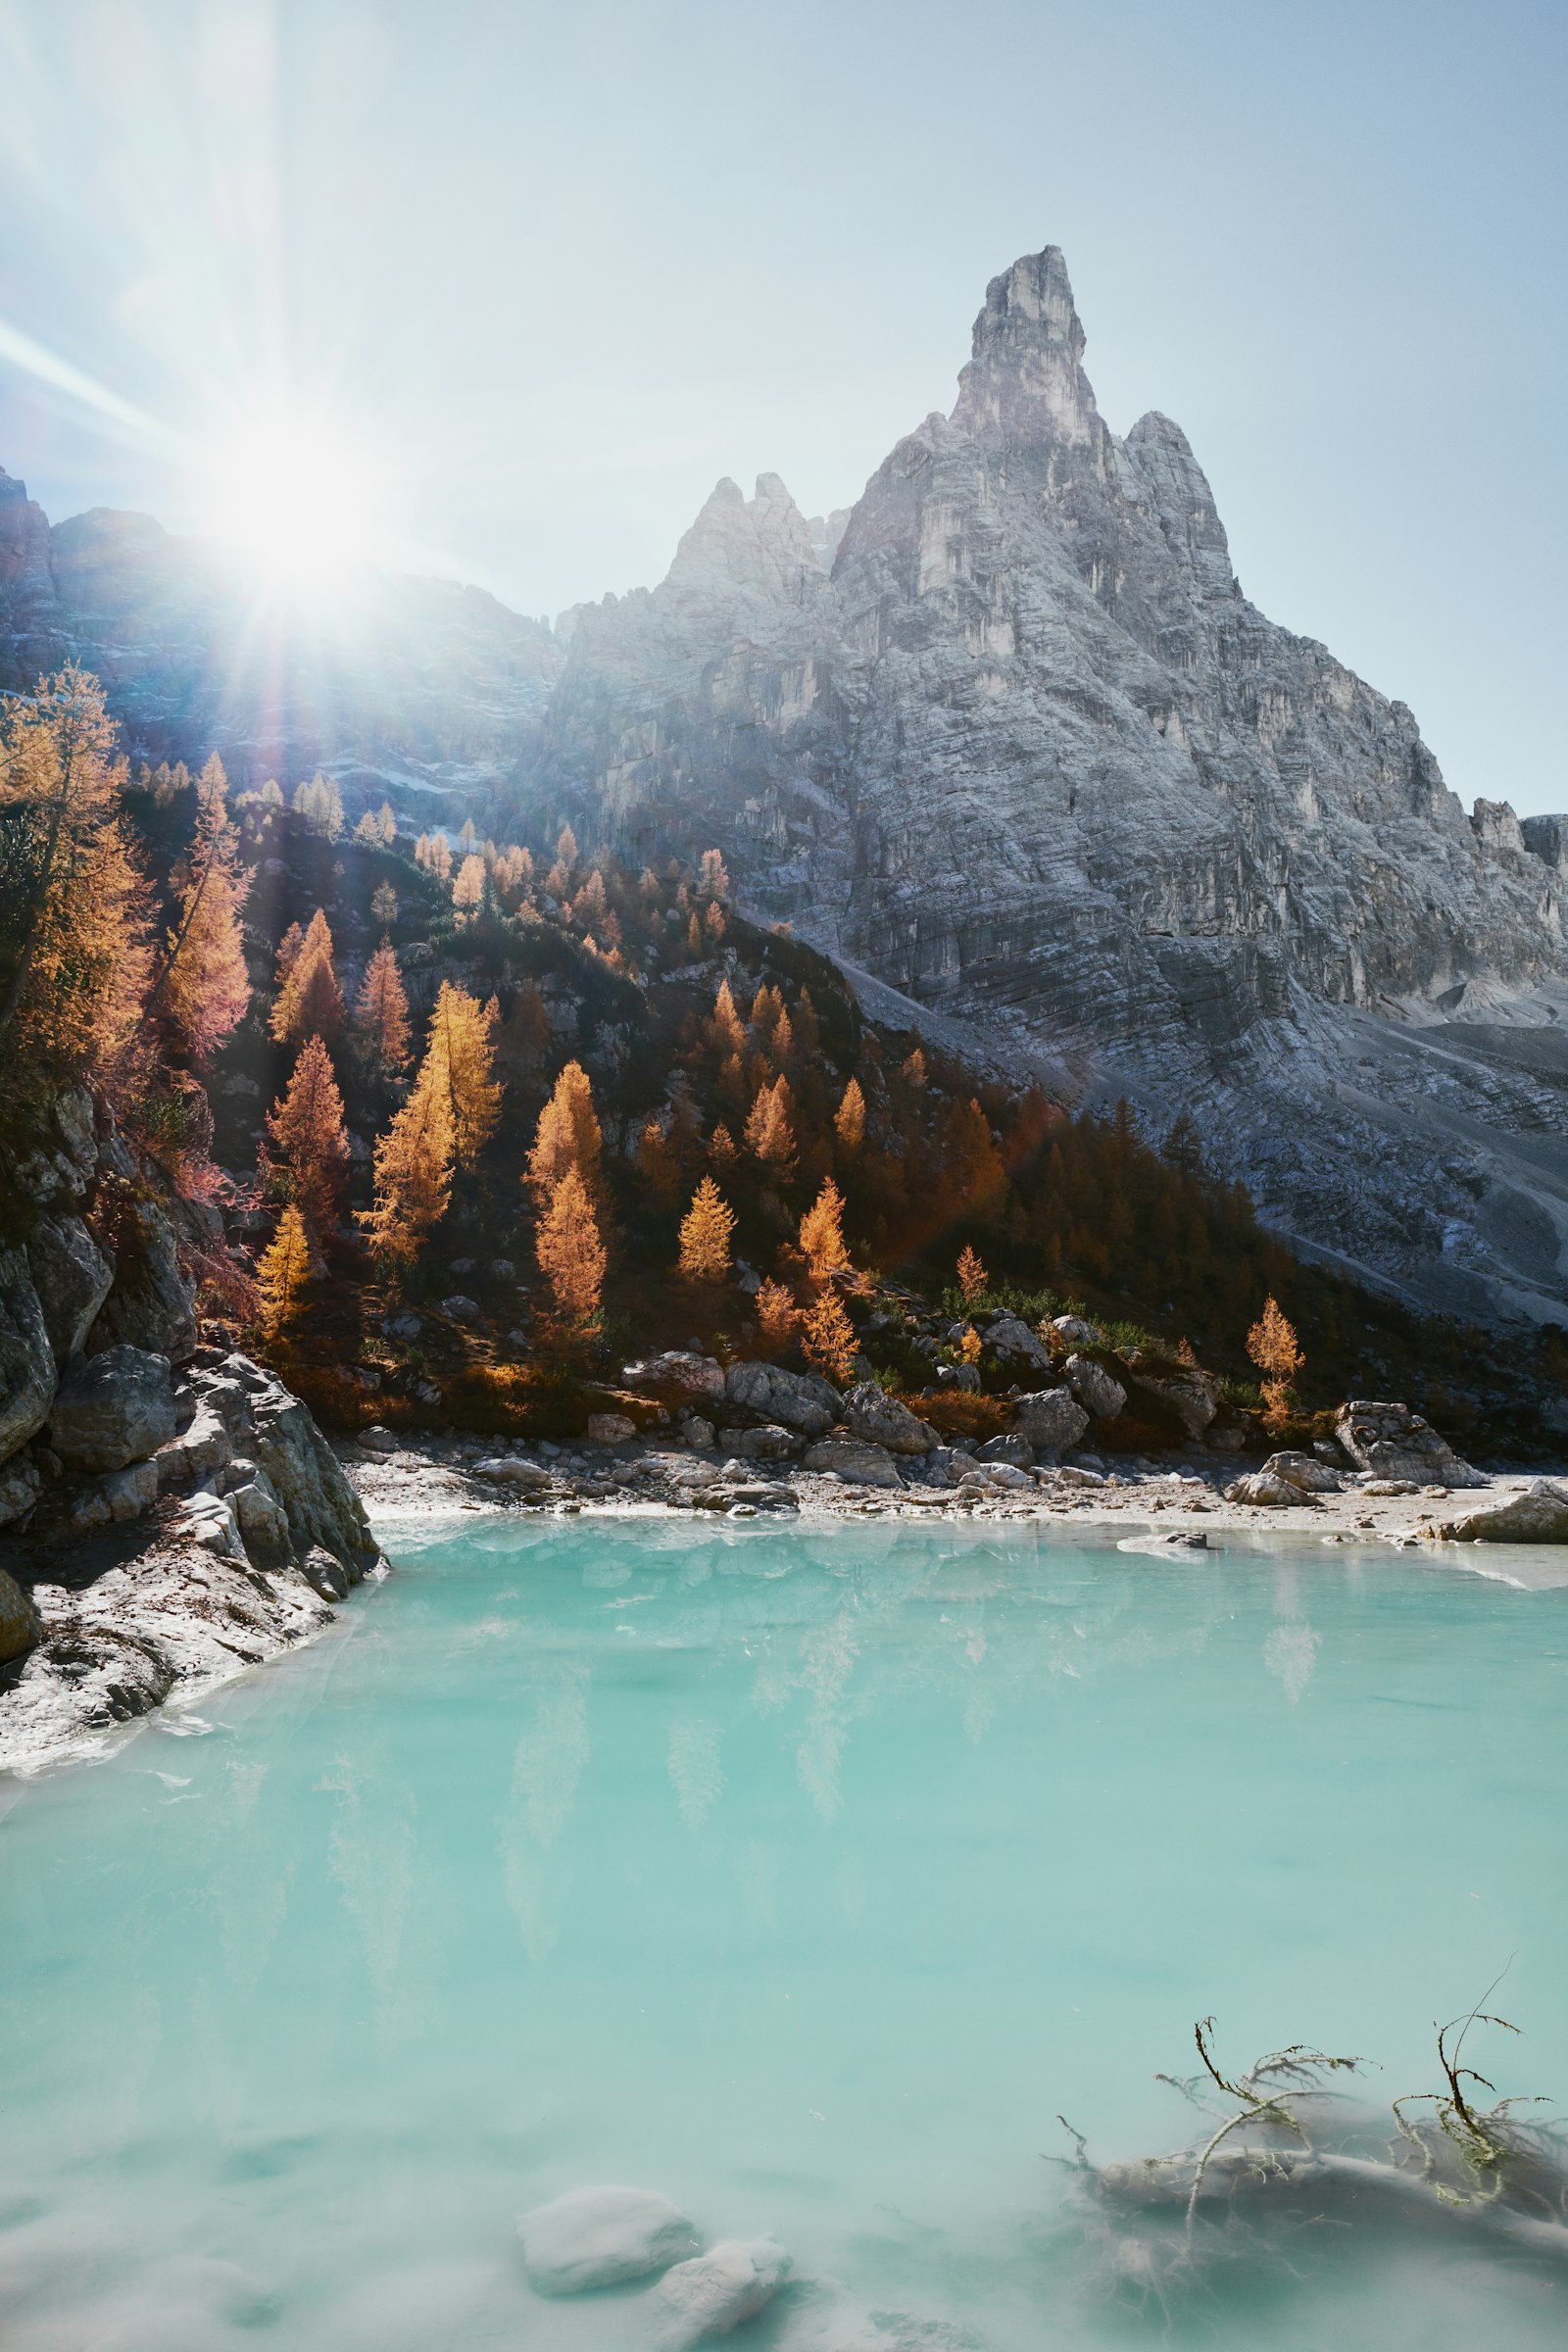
(1030, 755)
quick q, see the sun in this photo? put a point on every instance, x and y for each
(293, 489)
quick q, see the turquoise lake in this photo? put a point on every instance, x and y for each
(802, 1874)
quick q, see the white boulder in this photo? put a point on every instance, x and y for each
(714, 2293)
(595, 2238)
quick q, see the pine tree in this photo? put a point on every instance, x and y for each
(567, 1135)
(721, 1147)
(705, 1233)
(848, 1120)
(714, 922)
(972, 1276)
(413, 1175)
(202, 986)
(828, 1336)
(381, 1015)
(310, 1002)
(283, 1272)
(467, 835)
(459, 1056)
(822, 1242)
(306, 1148)
(387, 824)
(712, 881)
(570, 1253)
(726, 1030)
(384, 904)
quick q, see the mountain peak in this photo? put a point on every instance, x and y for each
(753, 547)
(1025, 379)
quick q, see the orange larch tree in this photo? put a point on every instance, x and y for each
(705, 1233)
(307, 1147)
(572, 1256)
(310, 1002)
(202, 986)
(412, 1189)
(381, 1015)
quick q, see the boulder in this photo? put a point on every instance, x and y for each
(996, 1475)
(21, 1625)
(1007, 1336)
(1268, 1489)
(277, 1431)
(595, 2238)
(611, 1428)
(1303, 1470)
(1395, 1442)
(881, 1420)
(697, 1434)
(945, 1466)
(1051, 1420)
(113, 1408)
(507, 1470)
(132, 1490)
(462, 1308)
(678, 1370)
(201, 1447)
(1015, 1448)
(1185, 1390)
(71, 1277)
(26, 1359)
(1540, 1515)
(713, 2294)
(1096, 1390)
(151, 1304)
(771, 1443)
(855, 1461)
(21, 1485)
(800, 1400)
(1074, 1332)
(377, 1440)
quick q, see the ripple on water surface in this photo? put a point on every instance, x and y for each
(802, 1875)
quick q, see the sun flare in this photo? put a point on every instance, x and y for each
(293, 489)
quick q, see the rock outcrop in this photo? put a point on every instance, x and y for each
(1028, 756)
(1392, 1441)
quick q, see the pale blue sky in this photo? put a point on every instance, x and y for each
(572, 263)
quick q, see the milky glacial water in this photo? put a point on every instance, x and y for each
(802, 1874)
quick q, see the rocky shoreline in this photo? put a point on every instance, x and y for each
(237, 1529)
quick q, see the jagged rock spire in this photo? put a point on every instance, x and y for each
(759, 547)
(1026, 378)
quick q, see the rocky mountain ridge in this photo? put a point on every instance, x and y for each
(415, 690)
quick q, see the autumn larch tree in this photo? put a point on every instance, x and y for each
(568, 1136)
(306, 1148)
(283, 1273)
(202, 987)
(76, 956)
(848, 1120)
(828, 1336)
(571, 1255)
(768, 1129)
(777, 1315)
(822, 1242)
(1271, 1344)
(381, 1015)
(460, 1056)
(705, 1233)
(468, 888)
(310, 1002)
(972, 1276)
(384, 904)
(412, 1189)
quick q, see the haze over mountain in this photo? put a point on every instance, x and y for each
(1009, 738)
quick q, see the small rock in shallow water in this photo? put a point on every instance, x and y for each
(595, 2238)
(713, 2294)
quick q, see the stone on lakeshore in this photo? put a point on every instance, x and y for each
(596, 2238)
(881, 1420)
(507, 1470)
(1268, 1489)
(1188, 1391)
(1094, 1388)
(1540, 1515)
(996, 1474)
(1015, 1448)
(713, 2294)
(855, 1461)
(377, 1440)
(1395, 1442)
(771, 1443)
(800, 1400)
(113, 1408)
(679, 1369)
(1305, 1470)
(611, 1428)
(1051, 1419)
(21, 1625)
